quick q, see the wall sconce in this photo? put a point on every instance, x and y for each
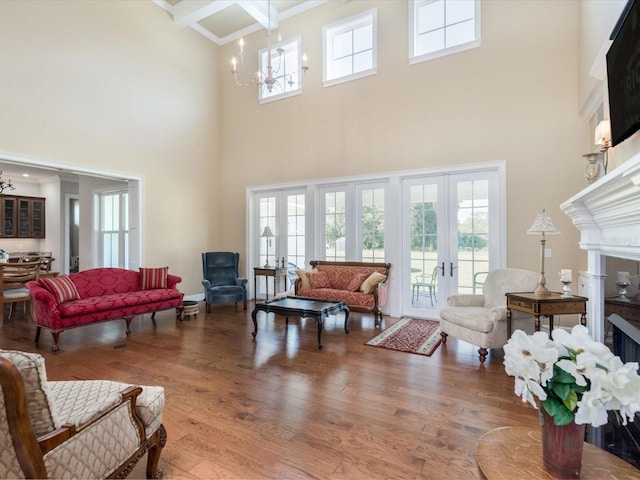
(603, 140)
(542, 225)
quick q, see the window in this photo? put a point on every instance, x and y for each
(267, 218)
(296, 229)
(114, 229)
(286, 67)
(372, 224)
(335, 226)
(442, 27)
(350, 49)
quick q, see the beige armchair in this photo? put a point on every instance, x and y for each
(74, 429)
(481, 319)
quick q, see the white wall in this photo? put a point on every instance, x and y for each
(513, 99)
(115, 85)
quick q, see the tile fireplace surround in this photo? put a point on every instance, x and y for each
(607, 213)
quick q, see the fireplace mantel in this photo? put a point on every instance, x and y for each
(607, 213)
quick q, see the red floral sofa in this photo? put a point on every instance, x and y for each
(362, 285)
(101, 294)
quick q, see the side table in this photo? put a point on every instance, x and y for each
(545, 306)
(508, 453)
(275, 272)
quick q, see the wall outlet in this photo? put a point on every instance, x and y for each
(547, 253)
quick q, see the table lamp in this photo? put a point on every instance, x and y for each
(542, 225)
(267, 233)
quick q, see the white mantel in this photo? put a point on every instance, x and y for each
(607, 213)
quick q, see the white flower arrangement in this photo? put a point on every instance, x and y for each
(574, 377)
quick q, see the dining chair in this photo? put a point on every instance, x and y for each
(426, 282)
(13, 278)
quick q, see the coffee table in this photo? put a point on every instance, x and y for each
(302, 307)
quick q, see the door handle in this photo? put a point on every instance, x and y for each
(451, 269)
(442, 267)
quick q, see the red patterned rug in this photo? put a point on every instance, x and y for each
(410, 335)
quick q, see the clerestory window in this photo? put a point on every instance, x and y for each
(350, 48)
(442, 27)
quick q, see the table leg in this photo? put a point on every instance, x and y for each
(255, 287)
(583, 319)
(320, 319)
(537, 328)
(346, 311)
(255, 322)
(550, 325)
(508, 323)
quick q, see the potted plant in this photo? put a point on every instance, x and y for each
(577, 381)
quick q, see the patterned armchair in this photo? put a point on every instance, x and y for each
(221, 281)
(74, 429)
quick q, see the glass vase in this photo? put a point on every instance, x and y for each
(561, 447)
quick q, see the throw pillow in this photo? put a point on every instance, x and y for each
(61, 287)
(356, 281)
(303, 275)
(152, 278)
(36, 388)
(370, 283)
(319, 280)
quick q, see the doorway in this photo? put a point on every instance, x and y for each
(72, 223)
(451, 238)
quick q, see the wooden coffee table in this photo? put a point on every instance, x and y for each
(302, 307)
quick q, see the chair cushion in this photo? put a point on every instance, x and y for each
(81, 401)
(11, 293)
(42, 412)
(372, 280)
(472, 318)
(61, 287)
(303, 275)
(153, 278)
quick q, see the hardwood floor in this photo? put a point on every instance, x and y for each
(277, 407)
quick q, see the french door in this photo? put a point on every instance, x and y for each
(451, 237)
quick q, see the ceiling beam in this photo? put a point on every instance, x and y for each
(189, 13)
(260, 11)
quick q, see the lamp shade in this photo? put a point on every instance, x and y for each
(267, 232)
(543, 224)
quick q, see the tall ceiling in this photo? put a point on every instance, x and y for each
(223, 21)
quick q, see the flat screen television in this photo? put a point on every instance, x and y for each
(623, 74)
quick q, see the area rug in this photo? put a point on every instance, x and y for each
(410, 335)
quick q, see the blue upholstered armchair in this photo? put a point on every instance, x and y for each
(221, 282)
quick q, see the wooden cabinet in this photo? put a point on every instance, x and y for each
(8, 208)
(22, 217)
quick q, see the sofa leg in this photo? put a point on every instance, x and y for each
(56, 339)
(37, 334)
(157, 442)
(128, 320)
(483, 354)
(444, 336)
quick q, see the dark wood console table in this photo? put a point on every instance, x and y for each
(275, 272)
(628, 310)
(545, 306)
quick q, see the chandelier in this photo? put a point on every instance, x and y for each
(272, 77)
(4, 185)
